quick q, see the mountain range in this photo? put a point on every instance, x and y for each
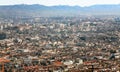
(36, 10)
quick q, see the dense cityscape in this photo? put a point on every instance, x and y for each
(60, 44)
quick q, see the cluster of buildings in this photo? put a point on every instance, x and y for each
(65, 44)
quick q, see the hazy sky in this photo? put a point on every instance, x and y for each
(59, 2)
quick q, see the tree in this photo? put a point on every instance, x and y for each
(2, 36)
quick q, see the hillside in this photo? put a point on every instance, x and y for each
(62, 10)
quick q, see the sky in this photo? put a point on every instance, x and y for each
(59, 2)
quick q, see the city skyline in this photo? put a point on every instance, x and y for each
(59, 2)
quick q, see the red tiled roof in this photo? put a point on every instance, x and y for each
(4, 60)
(57, 63)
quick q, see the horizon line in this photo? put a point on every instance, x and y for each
(57, 5)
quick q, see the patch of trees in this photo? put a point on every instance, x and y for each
(2, 36)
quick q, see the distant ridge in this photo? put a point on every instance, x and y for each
(60, 10)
